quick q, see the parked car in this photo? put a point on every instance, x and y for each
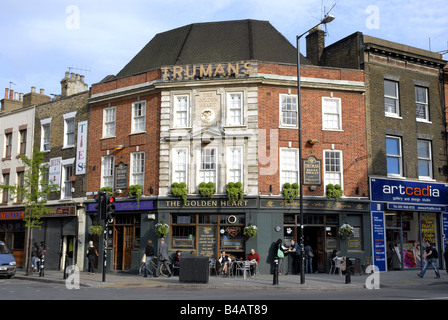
(7, 261)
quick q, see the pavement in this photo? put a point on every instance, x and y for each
(316, 281)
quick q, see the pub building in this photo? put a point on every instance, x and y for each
(217, 102)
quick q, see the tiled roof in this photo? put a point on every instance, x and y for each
(210, 42)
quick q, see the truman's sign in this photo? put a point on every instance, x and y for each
(199, 71)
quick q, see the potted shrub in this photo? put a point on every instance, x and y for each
(96, 229)
(106, 189)
(207, 189)
(135, 191)
(334, 191)
(290, 191)
(179, 190)
(234, 191)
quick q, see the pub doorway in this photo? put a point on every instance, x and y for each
(315, 237)
(125, 233)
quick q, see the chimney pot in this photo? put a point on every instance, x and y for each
(6, 93)
(21, 97)
(16, 96)
(33, 89)
(42, 91)
(11, 94)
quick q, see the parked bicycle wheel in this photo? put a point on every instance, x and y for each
(163, 270)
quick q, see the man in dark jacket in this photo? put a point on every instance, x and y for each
(163, 257)
(430, 257)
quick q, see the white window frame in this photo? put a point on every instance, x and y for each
(138, 117)
(207, 171)
(328, 114)
(329, 175)
(107, 171)
(422, 104)
(288, 166)
(281, 111)
(396, 99)
(45, 134)
(185, 111)
(235, 163)
(137, 168)
(66, 182)
(399, 157)
(426, 160)
(181, 157)
(233, 108)
(109, 122)
(69, 132)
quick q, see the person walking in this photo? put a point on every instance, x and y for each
(430, 256)
(163, 257)
(91, 254)
(445, 255)
(149, 253)
(280, 254)
(309, 258)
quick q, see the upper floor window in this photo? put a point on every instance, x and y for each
(67, 173)
(333, 167)
(69, 130)
(181, 110)
(391, 98)
(5, 192)
(207, 171)
(180, 165)
(138, 168)
(107, 171)
(331, 114)
(45, 134)
(288, 110)
(424, 159)
(235, 108)
(22, 142)
(289, 166)
(8, 145)
(235, 164)
(421, 103)
(109, 121)
(139, 116)
(394, 156)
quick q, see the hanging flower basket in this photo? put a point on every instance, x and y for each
(346, 231)
(161, 229)
(250, 230)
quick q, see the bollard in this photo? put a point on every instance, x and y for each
(275, 280)
(347, 271)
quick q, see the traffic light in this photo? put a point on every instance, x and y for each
(101, 204)
(110, 208)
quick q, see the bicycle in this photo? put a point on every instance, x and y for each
(153, 266)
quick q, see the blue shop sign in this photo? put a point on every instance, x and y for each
(127, 205)
(408, 192)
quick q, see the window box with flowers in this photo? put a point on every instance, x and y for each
(346, 231)
(250, 230)
(162, 229)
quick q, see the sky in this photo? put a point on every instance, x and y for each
(44, 39)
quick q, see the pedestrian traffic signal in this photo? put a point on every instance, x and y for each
(110, 208)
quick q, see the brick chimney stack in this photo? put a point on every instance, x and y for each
(315, 44)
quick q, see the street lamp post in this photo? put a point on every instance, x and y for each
(328, 18)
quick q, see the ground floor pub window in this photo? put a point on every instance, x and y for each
(208, 234)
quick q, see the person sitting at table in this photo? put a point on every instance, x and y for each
(255, 258)
(224, 262)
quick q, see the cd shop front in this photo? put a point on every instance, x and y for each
(405, 214)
